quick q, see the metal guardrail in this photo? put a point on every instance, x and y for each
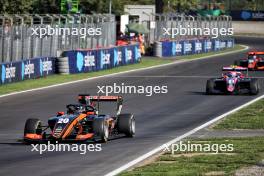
(18, 43)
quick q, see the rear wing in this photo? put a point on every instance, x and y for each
(88, 100)
(235, 68)
(100, 98)
(255, 52)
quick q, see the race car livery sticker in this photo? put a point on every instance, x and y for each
(222, 44)
(105, 59)
(198, 46)
(8, 73)
(27, 69)
(187, 48)
(229, 43)
(216, 45)
(79, 61)
(47, 66)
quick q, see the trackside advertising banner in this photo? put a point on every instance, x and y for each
(26, 69)
(187, 47)
(99, 59)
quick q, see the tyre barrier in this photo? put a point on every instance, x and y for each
(191, 46)
(62, 65)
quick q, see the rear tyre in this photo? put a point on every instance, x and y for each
(33, 126)
(126, 124)
(237, 62)
(210, 86)
(101, 129)
(254, 87)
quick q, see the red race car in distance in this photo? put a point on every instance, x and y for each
(254, 61)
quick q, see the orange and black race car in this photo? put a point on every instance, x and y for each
(254, 61)
(82, 122)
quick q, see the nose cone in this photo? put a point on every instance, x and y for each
(230, 88)
(251, 65)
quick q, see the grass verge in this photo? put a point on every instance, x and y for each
(246, 158)
(57, 79)
(247, 152)
(251, 117)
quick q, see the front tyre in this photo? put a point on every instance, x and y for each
(237, 62)
(126, 124)
(33, 126)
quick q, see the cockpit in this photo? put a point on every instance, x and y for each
(79, 108)
(232, 74)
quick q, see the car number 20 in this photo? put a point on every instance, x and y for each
(62, 120)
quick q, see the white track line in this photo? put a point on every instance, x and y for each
(178, 76)
(129, 71)
(162, 147)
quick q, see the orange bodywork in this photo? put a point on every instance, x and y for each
(73, 123)
(33, 136)
(84, 136)
(255, 53)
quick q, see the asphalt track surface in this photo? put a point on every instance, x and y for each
(159, 118)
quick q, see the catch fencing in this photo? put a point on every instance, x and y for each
(177, 21)
(20, 34)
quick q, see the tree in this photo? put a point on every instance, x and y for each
(180, 5)
(15, 6)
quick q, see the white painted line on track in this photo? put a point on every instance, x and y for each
(177, 76)
(124, 72)
(162, 147)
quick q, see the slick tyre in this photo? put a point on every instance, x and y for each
(101, 129)
(33, 126)
(237, 62)
(254, 87)
(126, 124)
(210, 86)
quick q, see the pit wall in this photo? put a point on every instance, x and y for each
(74, 61)
(248, 27)
(83, 61)
(188, 47)
(27, 69)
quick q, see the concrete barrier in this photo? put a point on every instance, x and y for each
(248, 27)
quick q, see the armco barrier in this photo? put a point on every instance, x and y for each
(81, 61)
(26, 69)
(187, 47)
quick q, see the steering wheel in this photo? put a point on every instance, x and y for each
(71, 108)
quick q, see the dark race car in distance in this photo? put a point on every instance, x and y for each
(232, 82)
(82, 122)
(254, 61)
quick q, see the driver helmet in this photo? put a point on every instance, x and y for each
(81, 109)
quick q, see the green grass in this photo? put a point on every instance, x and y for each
(247, 151)
(251, 117)
(56, 79)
